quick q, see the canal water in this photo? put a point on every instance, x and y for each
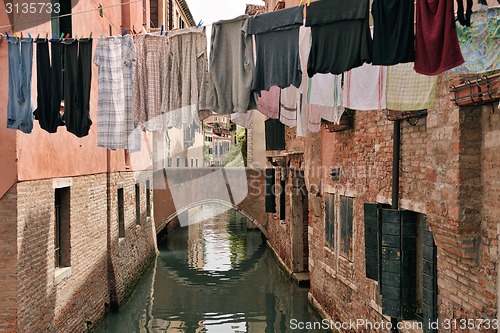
(216, 276)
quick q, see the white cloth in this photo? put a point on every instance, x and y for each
(364, 88)
(288, 106)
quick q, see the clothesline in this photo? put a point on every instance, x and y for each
(70, 14)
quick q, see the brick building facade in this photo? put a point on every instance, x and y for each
(77, 228)
(447, 210)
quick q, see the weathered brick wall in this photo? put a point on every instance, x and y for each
(364, 155)
(448, 171)
(8, 263)
(131, 255)
(44, 303)
(280, 232)
(77, 299)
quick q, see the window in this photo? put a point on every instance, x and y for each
(402, 256)
(169, 162)
(215, 118)
(62, 228)
(330, 220)
(216, 148)
(121, 214)
(186, 164)
(137, 204)
(61, 21)
(275, 134)
(178, 162)
(197, 162)
(192, 162)
(148, 198)
(270, 191)
(345, 226)
(282, 200)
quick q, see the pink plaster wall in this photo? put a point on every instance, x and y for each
(7, 136)
(42, 155)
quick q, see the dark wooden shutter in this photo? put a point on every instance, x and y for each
(398, 263)
(270, 191)
(371, 241)
(429, 279)
(275, 135)
(346, 219)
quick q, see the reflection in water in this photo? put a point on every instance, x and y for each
(215, 276)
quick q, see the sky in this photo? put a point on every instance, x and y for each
(214, 10)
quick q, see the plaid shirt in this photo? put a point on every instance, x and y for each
(115, 58)
(152, 50)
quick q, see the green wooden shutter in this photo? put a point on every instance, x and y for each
(282, 200)
(429, 279)
(409, 223)
(390, 262)
(270, 191)
(371, 241)
(398, 263)
(329, 220)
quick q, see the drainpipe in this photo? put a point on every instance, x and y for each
(396, 145)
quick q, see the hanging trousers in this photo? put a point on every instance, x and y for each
(77, 77)
(19, 105)
(49, 85)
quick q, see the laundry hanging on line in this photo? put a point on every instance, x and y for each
(277, 48)
(115, 58)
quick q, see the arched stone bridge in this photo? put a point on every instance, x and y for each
(177, 190)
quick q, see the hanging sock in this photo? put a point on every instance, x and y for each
(465, 19)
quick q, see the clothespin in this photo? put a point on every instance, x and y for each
(124, 32)
(7, 34)
(199, 23)
(90, 35)
(308, 3)
(161, 31)
(66, 37)
(62, 36)
(16, 35)
(46, 35)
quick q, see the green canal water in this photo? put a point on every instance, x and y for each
(216, 276)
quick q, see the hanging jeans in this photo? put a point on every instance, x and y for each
(77, 77)
(49, 85)
(20, 105)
